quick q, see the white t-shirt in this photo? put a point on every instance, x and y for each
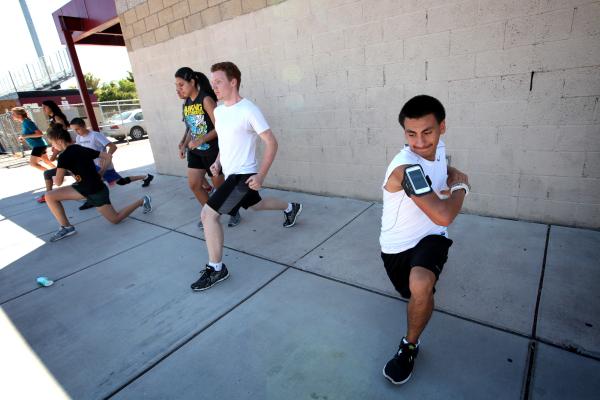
(238, 126)
(96, 141)
(403, 223)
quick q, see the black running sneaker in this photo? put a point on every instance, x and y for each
(147, 180)
(290, 218)
(399, 369)
(209, 278)
(85, 206)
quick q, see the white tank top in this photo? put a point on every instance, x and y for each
(403, 224)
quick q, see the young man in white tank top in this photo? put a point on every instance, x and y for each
(414, 238)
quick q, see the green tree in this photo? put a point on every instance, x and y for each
(91, 81)
(122, 89)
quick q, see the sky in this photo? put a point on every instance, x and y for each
(105, 62)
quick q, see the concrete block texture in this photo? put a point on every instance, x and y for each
(585, 22)
(197, 5)
(181, 9)
(518, 79)
(142, 10)
(152, 22)
(452, 16)
(129, 16)
(154, 6)
(551, 26)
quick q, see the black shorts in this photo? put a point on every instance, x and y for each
(50, 173)
(430, 253)
(233, 194)
(98, 199)
(204, 162)
(38, 151)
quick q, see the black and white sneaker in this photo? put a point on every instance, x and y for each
(290, 218)
(399, 369)
(147, 204)
(147, 180)
(209, 278)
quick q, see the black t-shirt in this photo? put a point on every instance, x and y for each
(199, 124)
(80, 161)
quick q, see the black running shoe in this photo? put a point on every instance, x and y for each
(399, 369)
(209, 278)
(85, 206)
(290, 218)
(147, 181)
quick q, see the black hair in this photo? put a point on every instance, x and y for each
(200, 80)
(77, 121)
(420, 106)
(56, 111)
(58, 132)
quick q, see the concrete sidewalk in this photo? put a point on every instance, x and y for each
(308, 312)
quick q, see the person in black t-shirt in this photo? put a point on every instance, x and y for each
(88, 183)
(200, 138)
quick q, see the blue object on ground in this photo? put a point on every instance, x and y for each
(43, 281)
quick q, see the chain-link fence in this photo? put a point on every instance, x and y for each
(118, 119)
(8, 138)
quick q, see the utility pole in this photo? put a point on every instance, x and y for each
(34, 36)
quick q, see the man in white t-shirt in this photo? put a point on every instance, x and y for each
(239, 123)
(421, 197)
(97, 141)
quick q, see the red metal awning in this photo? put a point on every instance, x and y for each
(87, 22)
(90, 22)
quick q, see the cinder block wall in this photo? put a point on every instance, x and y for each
(520, 80)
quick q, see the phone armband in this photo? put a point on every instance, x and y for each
(415, 182)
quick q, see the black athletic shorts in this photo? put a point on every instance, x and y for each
(38, 151)
(50, 173)
(233, 194)
(430, 253)
(196, 161)
(98, 199)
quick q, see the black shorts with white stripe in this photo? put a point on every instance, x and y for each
(233, 194)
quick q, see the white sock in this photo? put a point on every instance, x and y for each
(289, 208)
(217, 266)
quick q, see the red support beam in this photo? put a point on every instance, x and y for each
(79, 74)
(101, 39)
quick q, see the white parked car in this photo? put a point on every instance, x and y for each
(129, 122)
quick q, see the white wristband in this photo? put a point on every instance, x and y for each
(458, 186)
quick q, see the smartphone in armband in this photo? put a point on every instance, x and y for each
(415, 181)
